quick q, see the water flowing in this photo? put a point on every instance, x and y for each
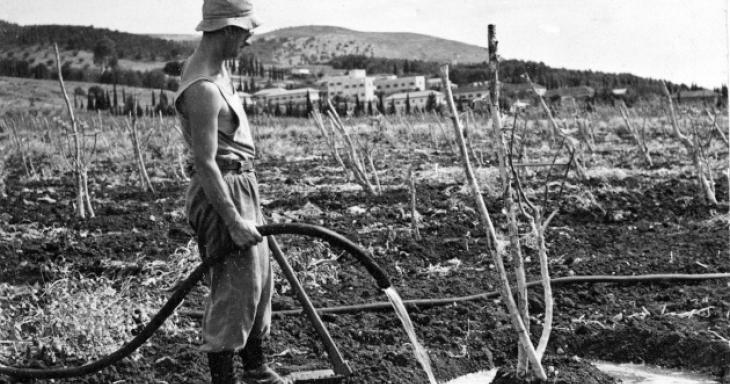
(643, 374)
(418, 350)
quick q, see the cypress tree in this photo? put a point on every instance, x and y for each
(356, 111)
(154, 102)
(408, 103)
(116, 100)
(309, 106)
(277, 110)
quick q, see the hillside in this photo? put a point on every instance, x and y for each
(40, 97)
(318, 44)
(33, 44)
(72, 37)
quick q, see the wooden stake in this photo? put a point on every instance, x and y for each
(634, 133)
(509, 206)
(692, 150)
(143, 176)
(570, 143)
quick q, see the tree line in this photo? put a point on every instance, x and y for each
(117, 102)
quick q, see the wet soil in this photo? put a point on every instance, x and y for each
(640, 225)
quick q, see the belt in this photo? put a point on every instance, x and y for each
(235, 165)
(226, 165)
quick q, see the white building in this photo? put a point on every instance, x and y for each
(283, 97)
(470, 92)
(383, 76)
(355, 83)
(417, 100)
(400, 84)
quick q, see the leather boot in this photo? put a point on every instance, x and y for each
(221, 367)
(255, 368)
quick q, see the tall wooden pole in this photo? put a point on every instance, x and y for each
(525, 349)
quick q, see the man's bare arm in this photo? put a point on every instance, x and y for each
(202, 104)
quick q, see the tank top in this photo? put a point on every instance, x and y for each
(233, 142)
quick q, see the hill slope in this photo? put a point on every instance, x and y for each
(26, 41)
(317, 44)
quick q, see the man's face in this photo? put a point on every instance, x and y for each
(236, 38)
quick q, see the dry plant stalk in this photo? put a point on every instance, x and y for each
(329, 136)
(355, 164)
(448, 139)
(83, 200)
(570, 143)
(469, 130)
(412, 182)
(179, 156)
(640, 142)
(523, 363)
(144, 178)
(582, 129)
(414, 213)
(18, 141)
(497, 257)
(717, 127)
(535, 217)
(369, 157)
(694, 150)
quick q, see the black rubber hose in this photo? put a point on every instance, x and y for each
(185, 287)
(556, 282)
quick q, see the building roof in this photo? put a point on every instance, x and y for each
(273, 92)
(313, 91)
(412, 95)
(268, 92)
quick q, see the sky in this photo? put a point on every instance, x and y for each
(678, 40)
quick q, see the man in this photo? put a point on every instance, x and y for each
(222, 200)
